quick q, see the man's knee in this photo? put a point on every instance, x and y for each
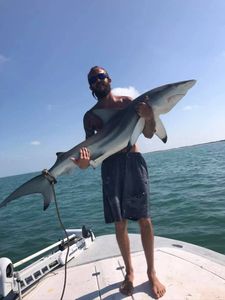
(121, 226)
(145, 223)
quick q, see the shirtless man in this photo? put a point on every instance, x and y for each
(124, 175)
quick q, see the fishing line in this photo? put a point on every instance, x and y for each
(67, 237)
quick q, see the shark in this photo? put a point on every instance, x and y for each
(121, 129)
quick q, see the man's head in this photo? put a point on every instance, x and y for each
(99, 82)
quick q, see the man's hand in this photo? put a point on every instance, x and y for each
(83, 161)
(144, 111)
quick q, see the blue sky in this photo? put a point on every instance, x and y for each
(48, 47)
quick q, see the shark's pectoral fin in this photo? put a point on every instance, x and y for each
(160, 130)
(94, 163)
(98, 160)
(137, 131)
(37, 185)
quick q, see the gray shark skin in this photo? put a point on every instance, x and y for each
(122, 128)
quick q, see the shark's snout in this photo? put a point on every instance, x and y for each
(187, 84)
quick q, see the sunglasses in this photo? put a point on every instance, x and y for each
(100, 76)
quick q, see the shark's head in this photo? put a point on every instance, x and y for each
(164, 98)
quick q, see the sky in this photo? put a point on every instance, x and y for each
(48, 47)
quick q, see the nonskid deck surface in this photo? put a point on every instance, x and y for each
(198, 274)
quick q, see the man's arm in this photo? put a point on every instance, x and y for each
(92, 124)
(83, 161)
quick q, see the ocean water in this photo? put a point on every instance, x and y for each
(187, 203)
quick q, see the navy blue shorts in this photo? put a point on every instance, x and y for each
(125, 187)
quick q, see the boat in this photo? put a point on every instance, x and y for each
(84, 267)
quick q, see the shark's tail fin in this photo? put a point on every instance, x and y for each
(39, 184)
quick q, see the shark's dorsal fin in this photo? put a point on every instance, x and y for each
(59, 154)
(105, 114)
(160, 130)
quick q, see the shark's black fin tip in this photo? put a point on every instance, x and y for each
(45, 207)
(164, 139)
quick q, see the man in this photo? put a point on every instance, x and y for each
(125, 179)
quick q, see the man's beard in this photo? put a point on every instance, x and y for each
(103, 93)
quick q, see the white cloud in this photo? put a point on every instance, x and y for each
(35, 143)
(126, 91)
(3, 59)
(190, 107)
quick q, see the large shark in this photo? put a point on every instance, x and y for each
(122, 129)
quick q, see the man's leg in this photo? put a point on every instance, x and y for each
(124, 245)
(147, 238)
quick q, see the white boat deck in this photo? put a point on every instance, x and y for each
(189, 273)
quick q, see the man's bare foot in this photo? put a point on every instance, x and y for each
(127, 287)
(157, 287)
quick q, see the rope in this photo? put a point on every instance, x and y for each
(52, 181)
(68, 248)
